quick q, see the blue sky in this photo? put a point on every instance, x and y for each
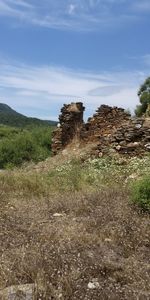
(60, 51)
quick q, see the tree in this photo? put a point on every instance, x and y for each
(144, 96)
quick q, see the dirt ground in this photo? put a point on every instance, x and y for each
(76, 245)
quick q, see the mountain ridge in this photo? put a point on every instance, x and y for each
(10, 117)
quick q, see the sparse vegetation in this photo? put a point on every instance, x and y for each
(66, 225)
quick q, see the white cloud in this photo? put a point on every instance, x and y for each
(71, 9)
(19, 10)
(7, 10)
(20, 3)
(75, 15)
(107, 90)
(45, 88)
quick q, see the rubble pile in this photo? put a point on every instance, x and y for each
(111, 130)
(70, 123)
(132, 138)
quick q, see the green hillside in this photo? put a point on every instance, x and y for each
(10, 117)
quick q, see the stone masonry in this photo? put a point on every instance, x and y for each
(110, 130)
(106, 120)
(69, 127)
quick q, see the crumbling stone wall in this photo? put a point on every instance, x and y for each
(111, 130)
(131, 138)
(106, 120)
(70, 123)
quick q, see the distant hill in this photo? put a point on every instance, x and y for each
(10, 117)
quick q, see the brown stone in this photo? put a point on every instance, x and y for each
(110, 129)
(71, 120)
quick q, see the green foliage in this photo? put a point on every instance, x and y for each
(10, 117)
(18, 146)
(8, 132)
(144, 95)
(140, 109)
(140, 193)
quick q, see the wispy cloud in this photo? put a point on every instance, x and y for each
(143, 60)
(71, 9)
(142, 6)
(47, 88)
(7, 10)
(20, 3)
(74, 14)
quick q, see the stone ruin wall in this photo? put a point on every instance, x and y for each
(70, 124)
(110, 130)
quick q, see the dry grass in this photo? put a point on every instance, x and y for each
(61, 231)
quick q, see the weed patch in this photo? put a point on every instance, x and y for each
(140, 193)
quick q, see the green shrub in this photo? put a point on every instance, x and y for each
(24, 145)
(140, 193)
(8, 132)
